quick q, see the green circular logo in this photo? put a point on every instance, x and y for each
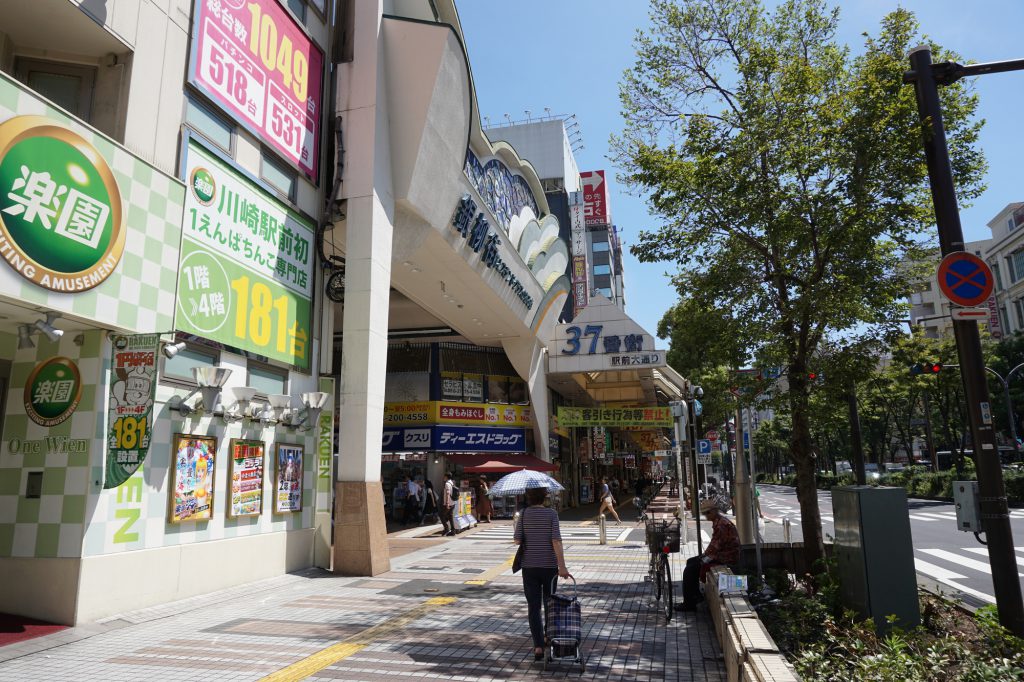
(60, 207)
(204, 187)
(53, 391)
(204, 292)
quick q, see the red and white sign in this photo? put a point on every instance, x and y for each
(976, 314)
(255, 63)
(712, 435)
(595, 198)
(995, 325)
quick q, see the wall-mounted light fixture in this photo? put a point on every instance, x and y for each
(172, 349)
(239, 410)
(25, 337)
(46, 327)
(314, 403)
(278, 411)
(209, 380)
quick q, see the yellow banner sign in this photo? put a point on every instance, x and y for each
(450, 412)
(614, 416)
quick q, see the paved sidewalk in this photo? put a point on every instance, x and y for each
(447, 610)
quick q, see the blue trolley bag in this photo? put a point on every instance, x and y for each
(564, 628)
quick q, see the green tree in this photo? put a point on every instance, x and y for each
(787, 175)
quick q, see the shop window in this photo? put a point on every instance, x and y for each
(298, 8)
(497, 389)
(602, 269)
(279, 175)
(210, 125)
(69, 86)
(179, 368)
(600, 247)
(267, 380)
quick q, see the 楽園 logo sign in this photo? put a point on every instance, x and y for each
(53, 391)
(61, 218)
(204, 187)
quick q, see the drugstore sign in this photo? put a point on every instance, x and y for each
(454, 439)
(255, 62)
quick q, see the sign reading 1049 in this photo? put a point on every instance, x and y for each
(246, 275)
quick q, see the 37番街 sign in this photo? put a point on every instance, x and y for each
(61, 217)
(246, 274)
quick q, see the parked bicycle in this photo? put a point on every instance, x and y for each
(662, 541)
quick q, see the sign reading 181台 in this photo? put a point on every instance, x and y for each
(253, 60)
(246, 275)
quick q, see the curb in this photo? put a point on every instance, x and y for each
(750, 653)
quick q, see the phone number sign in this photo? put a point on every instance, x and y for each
(255, 63)
(246, 273)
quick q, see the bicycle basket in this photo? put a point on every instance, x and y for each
(661, 533)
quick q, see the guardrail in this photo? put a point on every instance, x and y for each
(751, 654)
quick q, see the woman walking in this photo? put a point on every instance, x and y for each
(543, 561)
(429, 502)
(484, 508)
(607, 501)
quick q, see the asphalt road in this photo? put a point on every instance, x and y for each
(943, 555)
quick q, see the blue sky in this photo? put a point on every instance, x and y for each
(569, 55)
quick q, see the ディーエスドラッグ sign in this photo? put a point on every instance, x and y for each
(61, 217)
(53, 391)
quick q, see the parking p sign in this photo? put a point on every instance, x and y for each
(703, 451)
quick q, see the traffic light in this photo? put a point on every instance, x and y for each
(926, 368)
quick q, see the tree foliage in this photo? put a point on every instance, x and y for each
(787, 176)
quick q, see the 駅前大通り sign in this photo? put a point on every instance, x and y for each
(246, 275)
(61, 217)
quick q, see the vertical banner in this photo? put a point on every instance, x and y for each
(578, 243)
(995, 327)
(325, 450)
(595, 198)
(194, 460)
(247, 458)
(130, 415)
(288, 468)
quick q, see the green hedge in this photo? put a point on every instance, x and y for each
(919, 482)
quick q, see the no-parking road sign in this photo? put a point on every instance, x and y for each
(965, 279)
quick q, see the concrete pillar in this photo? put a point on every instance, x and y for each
(529, 357)
(360, 534)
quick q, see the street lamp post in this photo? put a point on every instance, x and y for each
(926, 78)
(1006, 396)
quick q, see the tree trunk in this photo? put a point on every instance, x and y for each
(803, 458)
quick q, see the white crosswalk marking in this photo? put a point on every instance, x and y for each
(503, 533)
(984, 552)
(946, 577)
(961, 561)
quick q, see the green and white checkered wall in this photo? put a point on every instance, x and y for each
(53, 524)
(139, 295)
(134, 515)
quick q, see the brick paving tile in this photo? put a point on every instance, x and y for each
(396, 625)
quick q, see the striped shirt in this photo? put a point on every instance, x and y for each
(540, 525)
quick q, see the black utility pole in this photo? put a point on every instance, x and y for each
(856, 441)
(926, 78)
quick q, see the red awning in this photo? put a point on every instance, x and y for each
(500, 464)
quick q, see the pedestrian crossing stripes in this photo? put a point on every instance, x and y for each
(956, 569)
(503, 533)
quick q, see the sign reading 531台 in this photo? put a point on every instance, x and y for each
(246, 275)
(252, 59)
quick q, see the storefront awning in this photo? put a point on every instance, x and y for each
(500, 464)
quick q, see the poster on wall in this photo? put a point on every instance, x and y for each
(194, 459)
(53, 391)
(288, 467)
(254, 61)
(130, 414)
(247, 457)
(246, 270)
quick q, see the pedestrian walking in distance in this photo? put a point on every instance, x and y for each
(607, 501)
(449, 497)
(543, 560)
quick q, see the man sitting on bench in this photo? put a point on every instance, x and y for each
(724, 548)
